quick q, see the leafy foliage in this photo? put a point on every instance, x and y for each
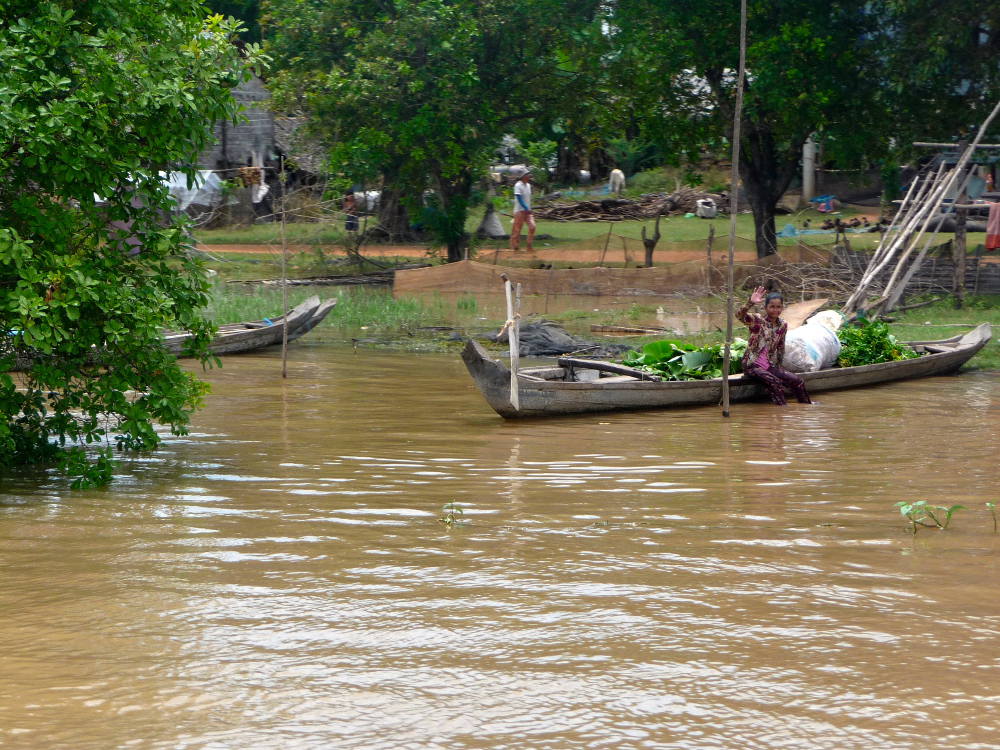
(811, 67)
(945, 77)
(244, 11)
(921, 513)
(870, 343)
(95, 99)
(420, 91)
(674, 360)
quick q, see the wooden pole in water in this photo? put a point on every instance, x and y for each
(517, 329)
(284, 277)
(512, 339)
(734, 194)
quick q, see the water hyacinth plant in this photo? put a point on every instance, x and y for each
(674, 360)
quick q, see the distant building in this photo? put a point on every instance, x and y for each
(249, 142)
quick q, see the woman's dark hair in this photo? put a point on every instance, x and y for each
(773, 295)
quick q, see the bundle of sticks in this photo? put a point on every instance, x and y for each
(681, 201)
(911, 234)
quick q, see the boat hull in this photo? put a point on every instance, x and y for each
(245, 337)
(553, 397)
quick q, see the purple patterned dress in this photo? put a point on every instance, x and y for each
(764, 354)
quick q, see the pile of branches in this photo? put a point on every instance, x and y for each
(794, 279)
(648, 206)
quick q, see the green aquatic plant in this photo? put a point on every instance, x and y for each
(467, 304)
(992, 507)
(918, 513)
(869, 342)
(675, 360)
(453, 514)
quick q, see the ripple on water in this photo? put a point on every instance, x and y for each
(709, 583)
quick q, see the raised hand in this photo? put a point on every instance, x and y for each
(758, 295)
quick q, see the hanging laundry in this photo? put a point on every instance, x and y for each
(993, 228)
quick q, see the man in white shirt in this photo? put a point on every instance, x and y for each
(522, 212)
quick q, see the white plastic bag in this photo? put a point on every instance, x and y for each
(811, 347)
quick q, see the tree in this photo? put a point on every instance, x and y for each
(811, 68)
(96, 99)
(247, 12)
(423, 90)
(945, 68)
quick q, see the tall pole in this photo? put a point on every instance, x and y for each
(284, 277)
(808, 170)
(734, 196)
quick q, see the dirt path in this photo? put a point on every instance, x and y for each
(571, 255)
(403, 251)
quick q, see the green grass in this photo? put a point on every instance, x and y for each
(233, 304)
(584, 235)
(941, 320)
(296, 233)
(359, 310)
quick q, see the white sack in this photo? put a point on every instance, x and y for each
(811, 347)
(829, 318)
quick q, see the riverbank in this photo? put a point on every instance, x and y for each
(436, 322)
(373, 317)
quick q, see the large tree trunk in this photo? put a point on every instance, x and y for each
(393, 218)
(453, 195)
(767, 172)
(765, 238)
(568, 163)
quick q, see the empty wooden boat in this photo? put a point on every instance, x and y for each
(234, 338)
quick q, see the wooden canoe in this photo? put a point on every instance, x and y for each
(257, 334)
(314, 320)
(233, 338)
(573, 389)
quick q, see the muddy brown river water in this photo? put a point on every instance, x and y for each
(281, 579)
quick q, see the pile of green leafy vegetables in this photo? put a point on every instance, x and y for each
(869, 342)
(673, 360)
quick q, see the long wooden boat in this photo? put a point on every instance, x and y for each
(575, 386)
(233, 338)
(256, 334)
(314, 320)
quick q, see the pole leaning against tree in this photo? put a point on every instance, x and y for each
(734, 195)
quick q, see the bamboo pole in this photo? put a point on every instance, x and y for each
(895, 287)
(512, 340)
(892, 243)
(284, 276)
(955, 145)
(515, 364)
(733, 206)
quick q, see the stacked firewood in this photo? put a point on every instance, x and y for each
(651, 205)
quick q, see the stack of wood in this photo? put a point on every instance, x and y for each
(910, 237)
(651, 205)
